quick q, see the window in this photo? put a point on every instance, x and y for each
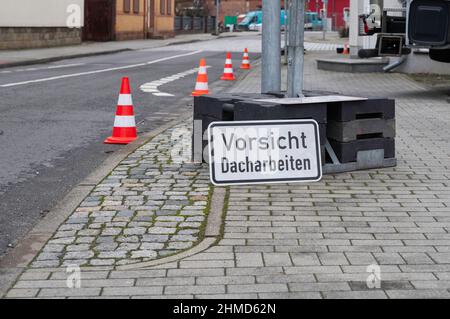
(126, 6)
(169, 7)
(136, 6)
(162, 7)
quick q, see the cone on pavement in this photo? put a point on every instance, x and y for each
(346, 49)
(201, 86)
(228, 74)
(124, 130)
(245, 61)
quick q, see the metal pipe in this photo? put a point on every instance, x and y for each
(395, 64)
(286, 27)
(325, 19)
(271, 47)
(296, 48)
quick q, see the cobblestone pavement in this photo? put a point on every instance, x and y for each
(149, 207)
(313, 240)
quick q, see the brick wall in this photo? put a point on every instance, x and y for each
(38, 37)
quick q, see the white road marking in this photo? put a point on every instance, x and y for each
(152, 87)
(65, 76)
(163, 94)
(45, 68)
(65, 66)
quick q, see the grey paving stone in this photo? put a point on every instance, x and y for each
(49, 256)
(282, 278)
(418, 294)
(372, 294)
(66, 292)
(101, 262)
(22, 293)
(189, 238)
(319, 286)
(290, 295)
(304, 259)
(132, 291)
(201, 290)
(249, 260)
(161, 230)
(144, 254)
(112, 254)
(196, 272)
(155, 238)
(167, 281)
(277, 259)
(257, 288)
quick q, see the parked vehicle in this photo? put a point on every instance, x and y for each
(313, 21)
(253, 21)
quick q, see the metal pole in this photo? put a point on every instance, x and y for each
(286, 27)
(217, 16)
(296, 48)
(324, 19)
(271, 47)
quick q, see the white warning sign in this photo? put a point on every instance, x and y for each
(254, 152)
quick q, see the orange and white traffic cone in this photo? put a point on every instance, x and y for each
(346, 49)
(201, 86)
(228, 74)
(245, 61)
(124, 130)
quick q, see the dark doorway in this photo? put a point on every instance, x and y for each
(99, 16)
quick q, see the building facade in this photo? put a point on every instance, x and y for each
(338, 10)
(44, 23)
(107, 20)
(47, 23)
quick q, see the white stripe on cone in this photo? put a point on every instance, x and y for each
(227, 70)
(202, 70)
(124, 121)
(125, 100)
(228, 61)
(201, 86)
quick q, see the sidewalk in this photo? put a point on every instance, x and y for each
(32, 56)
(279, 241)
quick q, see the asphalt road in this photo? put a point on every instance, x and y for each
(54, 118)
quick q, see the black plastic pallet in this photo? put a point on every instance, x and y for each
(359, 129)
(257, 110)
(347, 152)
(356, 110)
